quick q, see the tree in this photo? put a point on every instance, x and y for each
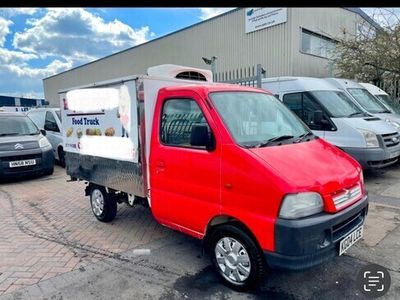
(373, 53)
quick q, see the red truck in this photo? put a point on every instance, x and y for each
(227, 164)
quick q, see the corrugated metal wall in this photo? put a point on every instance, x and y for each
(276, 48)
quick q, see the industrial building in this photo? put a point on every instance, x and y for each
(21, 101)
(285, 41)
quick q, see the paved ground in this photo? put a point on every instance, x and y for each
(52, 247)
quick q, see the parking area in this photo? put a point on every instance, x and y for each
(51, 246)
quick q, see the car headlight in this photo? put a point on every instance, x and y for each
(371, 140)
(394, 124)
(44, 143)
(295, 206)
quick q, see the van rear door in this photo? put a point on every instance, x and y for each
(184, 179)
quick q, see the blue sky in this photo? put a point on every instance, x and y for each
(39, 42)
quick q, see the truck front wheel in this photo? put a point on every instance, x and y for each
(236, 257)
(104, 206)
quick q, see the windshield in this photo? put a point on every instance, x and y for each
(367, 101)
(254, 118)
(12, 125)
(386, 99)
(58, 114)
(337, 103)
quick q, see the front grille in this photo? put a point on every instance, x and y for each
(345, 196)
(21, 157)
(391, 139)
(343, 228)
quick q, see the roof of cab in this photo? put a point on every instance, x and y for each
(373, 89)
(345, 83)
(214, 87)
(291, 83)
(11, 114)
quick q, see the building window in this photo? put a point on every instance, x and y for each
(317, 44)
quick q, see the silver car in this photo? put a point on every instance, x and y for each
(24, 149)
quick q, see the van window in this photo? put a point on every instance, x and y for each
(50, 122)
(367, 101)
(178, 118)
(37, 118)
(304, 107)
(337, 103)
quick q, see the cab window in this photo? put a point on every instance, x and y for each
(304, 107)
(178, 118)
(50, 122)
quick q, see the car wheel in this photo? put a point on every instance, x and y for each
(236, 257)
(104, 206)
(61, 157)
(49, 171)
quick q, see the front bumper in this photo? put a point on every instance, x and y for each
(304, 243)
(44, 161)
(370, 158)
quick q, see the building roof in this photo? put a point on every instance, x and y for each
(356, 10)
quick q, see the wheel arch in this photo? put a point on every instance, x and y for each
(219, 220)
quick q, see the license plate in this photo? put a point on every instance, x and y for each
(22, 163)
(350, 239)
(394, 154)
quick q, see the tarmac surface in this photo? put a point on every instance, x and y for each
(52, 247)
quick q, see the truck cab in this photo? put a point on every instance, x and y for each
(227, 164)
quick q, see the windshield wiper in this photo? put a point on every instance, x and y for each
(7, 134)
(355, 114)
(302, 136)
(35, 133)
(274, 139)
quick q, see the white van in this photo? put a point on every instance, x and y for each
(50, 119)
(332, 115)
(366, 100)
(392, 105)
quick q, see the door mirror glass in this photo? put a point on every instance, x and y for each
(201, 137)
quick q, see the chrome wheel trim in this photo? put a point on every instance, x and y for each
(97, 200)
(233, 260)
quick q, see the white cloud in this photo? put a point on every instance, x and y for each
(74, 33)
(11, 12)
(13, 57)
(22, 70)
(4, 30)
(210, 12)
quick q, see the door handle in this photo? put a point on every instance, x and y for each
(160, 166)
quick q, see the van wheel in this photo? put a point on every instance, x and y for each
(104, 206)
(237, 258)
(61, 157)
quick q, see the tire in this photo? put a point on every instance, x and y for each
(61, 157)
(104, 206)
(49, 171)
(240, 276)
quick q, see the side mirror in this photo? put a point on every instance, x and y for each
(43, 132)
(199, 136)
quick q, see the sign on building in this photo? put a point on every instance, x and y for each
(260, 18)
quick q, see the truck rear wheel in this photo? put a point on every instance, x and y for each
(237, 258)
(104, 206)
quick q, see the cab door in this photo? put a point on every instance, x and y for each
(305, 107)
(53, 133)
(184, 179)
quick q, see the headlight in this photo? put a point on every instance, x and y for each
(393, 123)
(370, 138)
(301, 205)
(44, 143)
